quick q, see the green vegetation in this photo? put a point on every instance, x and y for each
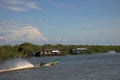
(8, 51)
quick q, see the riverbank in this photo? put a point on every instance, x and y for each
(27, 49)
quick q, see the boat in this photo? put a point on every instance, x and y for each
(49, 63)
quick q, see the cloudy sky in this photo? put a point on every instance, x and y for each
(60, 21)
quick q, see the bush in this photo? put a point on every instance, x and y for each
(8, 52)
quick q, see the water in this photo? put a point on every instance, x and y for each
(104, 66)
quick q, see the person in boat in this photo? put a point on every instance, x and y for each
(42, 62)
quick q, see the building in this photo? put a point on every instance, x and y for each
(50, 52)
(79, 50)
(47, 52)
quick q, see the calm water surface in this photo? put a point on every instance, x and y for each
(104, 66)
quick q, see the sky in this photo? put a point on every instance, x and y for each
(86, 22)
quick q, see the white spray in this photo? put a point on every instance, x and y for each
(16, 64)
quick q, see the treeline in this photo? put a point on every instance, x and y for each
(8, 51)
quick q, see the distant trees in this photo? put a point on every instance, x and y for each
(25, 49)
(8, 51)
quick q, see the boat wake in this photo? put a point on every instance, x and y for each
(15, 65)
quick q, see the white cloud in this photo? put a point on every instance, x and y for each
(16, 8)
(1, 38)
(21, 34)
(19, 5)
(32, 5)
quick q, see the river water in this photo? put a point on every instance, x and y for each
(104, 66)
